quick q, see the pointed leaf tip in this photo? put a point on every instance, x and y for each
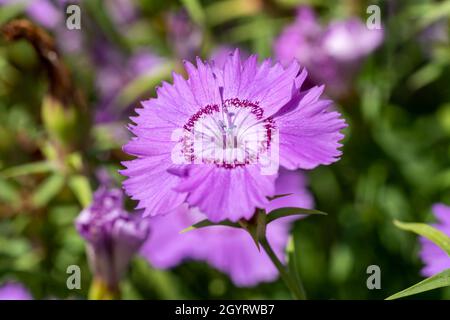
(291, 211)
(437, 281)
(207, 223)
(434, 235)
(279, 196)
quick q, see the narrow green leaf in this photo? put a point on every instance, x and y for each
(98, 12)
(279, 196)
(290, 211)
(9, 11)
(293, 268)
(207, 223)
(437, 281)
(219, 12)
(75, 161)
(80, 186)
(47, 190)
(195, 10)
(426, 75)
(164, 283)
(143, 84)
(432, 234)
(28, 168)
(8, 192)
(104, 136)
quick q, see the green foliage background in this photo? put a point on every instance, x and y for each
(395, 163)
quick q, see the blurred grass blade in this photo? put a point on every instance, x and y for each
(426, 75)
(223, 11)
(80, 186)
(8, 192)
(9, 11)
(437, 281)
(75, 161)
(98, 12)
(432, 234)
(48, 190)
(25, 169)
(143, 84)
(195, 10)
(293, 268)
(207, 223)
(105, 135)
(162, 282)
(428, 13)
(290, 211)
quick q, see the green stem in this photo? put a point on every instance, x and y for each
(99, 290)
(294, 285)
(294, 272)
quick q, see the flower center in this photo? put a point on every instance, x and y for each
(231, 135)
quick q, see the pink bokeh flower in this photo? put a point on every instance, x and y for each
(332, 53)
(112, 235)
(14, 291)
(435, 259)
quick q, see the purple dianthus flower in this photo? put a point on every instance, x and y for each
(216, 139)
(113, 236)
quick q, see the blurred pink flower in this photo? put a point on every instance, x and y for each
(14, 291)
(184, 35)
(113, 235)
(115, 70)
(228, 249)
(332, 54)
(436, 260)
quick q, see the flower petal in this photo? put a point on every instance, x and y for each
(293, 183)
(227, 193)
(309, 134)
(269, 86)
(150, 182)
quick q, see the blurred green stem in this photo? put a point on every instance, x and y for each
(99, 290)
(294, 284)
